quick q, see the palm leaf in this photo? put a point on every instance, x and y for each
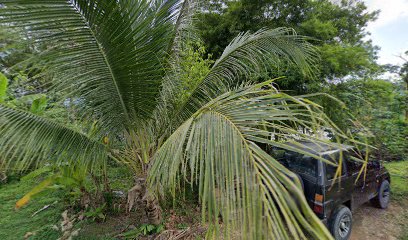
(27, 139)
(184, 27)
(3, 87)
(217, 149)
(245, 58)
(109, 54)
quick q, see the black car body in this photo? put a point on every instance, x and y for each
(328, 199)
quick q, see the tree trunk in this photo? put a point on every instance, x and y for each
(140, 198)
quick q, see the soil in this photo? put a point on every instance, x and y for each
(373, 223)
(368, 223)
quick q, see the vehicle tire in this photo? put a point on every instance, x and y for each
(341, 223)
(383, 197)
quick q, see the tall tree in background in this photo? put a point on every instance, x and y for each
(380, 105)
(404, 75)
(337, 29)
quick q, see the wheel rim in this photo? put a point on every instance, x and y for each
(344, 226)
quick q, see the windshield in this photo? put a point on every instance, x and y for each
(299, 163)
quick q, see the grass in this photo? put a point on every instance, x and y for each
(399, 189)
(399, 178)
(14, 224)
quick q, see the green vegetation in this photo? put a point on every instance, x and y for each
(139, 108)
(399, 179)
(399, 189)
(347, 68)
(337, 29)
(379, 106)
(118, 112)
(16, 224)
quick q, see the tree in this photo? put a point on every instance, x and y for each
(379, 104)
(120, 63)
(337, 30)
(404, 75)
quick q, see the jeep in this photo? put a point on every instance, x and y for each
(333, 202)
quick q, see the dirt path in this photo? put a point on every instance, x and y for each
(373, 223)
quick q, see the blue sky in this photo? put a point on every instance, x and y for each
(390, 30)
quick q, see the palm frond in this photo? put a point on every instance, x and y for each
(184, 27)
(217, 149)
(108, 54)
(245, 58)
(184, 33)
(27, 139)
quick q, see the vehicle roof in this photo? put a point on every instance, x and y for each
(319, 148)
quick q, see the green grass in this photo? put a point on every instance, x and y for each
(399, 178)
(399, 188)
(14, 224)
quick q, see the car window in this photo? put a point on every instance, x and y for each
(330, 169)
(352, 165)
(300, 163)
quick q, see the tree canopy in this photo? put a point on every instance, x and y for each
(336, 29)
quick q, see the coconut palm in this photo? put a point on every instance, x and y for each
(120, 61)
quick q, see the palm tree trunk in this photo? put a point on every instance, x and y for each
(140, 198)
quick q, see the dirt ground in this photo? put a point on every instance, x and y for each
(373, 223)
(369, 223)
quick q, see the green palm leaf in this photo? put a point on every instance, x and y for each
(27, 139)
(216, 149)
(107, 53)
(245, 58)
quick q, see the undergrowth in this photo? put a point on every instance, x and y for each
(399, 179)
(15, 224)
(399, 189)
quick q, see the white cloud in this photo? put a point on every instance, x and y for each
(391, 10)
(390, 30)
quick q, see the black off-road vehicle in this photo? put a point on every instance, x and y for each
(334, 203)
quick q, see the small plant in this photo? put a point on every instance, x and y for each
(182, 226)
(148, 229)
(144, 230)
(96, 214)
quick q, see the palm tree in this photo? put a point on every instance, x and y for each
(120, 61)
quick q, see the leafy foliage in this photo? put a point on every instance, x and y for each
(194, 68)
(399, 179)
(236, 178)
(96, 214)
(24, 219)
(379, 104)
(72, 179)
(337, 27)
(117, 63)
(143, 230)
(3, 87)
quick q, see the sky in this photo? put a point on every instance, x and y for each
(390, 30)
